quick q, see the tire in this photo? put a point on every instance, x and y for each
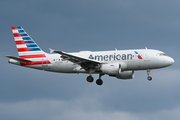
(99, 82)
(90, 79)
(149, 78)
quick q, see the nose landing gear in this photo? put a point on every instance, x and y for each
(148, 73)
(149, 78)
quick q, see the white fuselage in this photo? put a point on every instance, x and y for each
(119, 63)
(140, 59)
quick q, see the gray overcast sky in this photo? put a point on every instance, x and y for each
(76, 25)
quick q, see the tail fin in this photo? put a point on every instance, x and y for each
(26, 46)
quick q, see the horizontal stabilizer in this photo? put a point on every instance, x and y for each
(18, 59)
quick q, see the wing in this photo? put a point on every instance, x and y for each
(83, 62)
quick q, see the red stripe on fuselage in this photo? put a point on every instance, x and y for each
(20, 42)
(35, 63)
(32, 56)
(14, 28)
(16, 35)
(22, 49)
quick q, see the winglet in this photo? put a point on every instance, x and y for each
(51, 50)
(56, 51)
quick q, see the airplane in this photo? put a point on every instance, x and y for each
(116, 63)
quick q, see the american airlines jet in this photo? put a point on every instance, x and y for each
(117, 63)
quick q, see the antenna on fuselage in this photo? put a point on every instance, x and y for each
(146, 48)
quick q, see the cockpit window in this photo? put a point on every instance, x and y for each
(161, 54)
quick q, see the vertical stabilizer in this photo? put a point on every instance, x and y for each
(27, 48)
(24, 43)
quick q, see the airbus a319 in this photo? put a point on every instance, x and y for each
(117, 63)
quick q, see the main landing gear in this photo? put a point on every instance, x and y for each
(90, 79)
(148, 73)
(98, 81)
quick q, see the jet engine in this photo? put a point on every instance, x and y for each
(111, 68)
(126, 75)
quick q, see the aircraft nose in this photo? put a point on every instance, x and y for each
(169, 61)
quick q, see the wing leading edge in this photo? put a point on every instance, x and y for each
(83, 62)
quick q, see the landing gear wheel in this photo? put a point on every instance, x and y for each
(148, 73)
(149, 78)
(90, 78)
(99, 82)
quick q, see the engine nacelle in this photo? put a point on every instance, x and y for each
(126, 75)
(111, 68)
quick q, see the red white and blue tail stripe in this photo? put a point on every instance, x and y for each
(24, 43)
(27, 48)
